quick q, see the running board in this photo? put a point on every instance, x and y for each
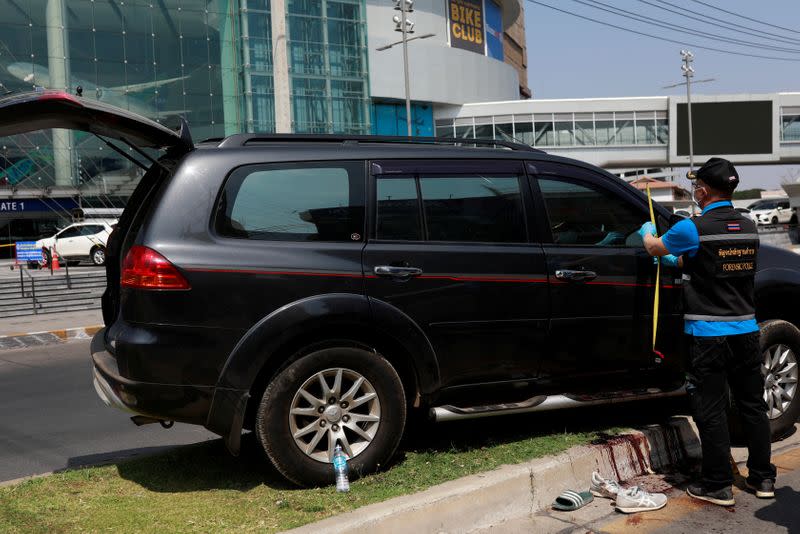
(544, 403)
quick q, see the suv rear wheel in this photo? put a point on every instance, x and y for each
(98, 255)
(343, 395)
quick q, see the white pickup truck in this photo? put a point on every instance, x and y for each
(79, 241)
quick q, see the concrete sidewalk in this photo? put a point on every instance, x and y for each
(516, 498)
(48, 329)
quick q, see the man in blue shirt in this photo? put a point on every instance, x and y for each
(717, 251)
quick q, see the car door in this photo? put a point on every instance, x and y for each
(449, 248)
(92, 235)
(602, 280)
(68, 241)
(784, 213)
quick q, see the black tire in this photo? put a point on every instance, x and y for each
(774, 220)
(98, 255)
(774, 333)
(273, 416)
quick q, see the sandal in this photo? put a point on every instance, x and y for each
(572, 500)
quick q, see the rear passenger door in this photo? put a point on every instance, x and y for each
(449, 247)
(602, 280)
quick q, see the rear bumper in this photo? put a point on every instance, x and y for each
(173, 402)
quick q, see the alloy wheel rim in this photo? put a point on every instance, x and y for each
(780, 372)
(99, 257)
(333, 406)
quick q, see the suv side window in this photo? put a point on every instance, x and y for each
(463, 208)
(91, 229)
(582, 214)
(485, 209)
(72, 231)
(398, 213)
(314, 201)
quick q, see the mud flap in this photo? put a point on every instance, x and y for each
(226, 416)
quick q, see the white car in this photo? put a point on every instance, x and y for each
(79, 241)
(772, 212)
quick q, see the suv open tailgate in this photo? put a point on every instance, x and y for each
(31, 111)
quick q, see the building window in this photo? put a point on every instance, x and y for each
(584, 129)
(645, 128)
(484, 131)
(624, 128)
(790, 124)
(548, 130)
(544, 134)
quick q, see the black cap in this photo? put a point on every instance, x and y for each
(718, 173)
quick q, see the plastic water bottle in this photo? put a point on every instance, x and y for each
(340, 469)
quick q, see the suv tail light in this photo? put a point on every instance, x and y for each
(144, 268)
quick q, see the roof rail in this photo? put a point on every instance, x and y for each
(240, 140)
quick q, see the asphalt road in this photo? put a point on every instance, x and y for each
(51, 417)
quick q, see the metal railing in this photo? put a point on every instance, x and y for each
(32, 294)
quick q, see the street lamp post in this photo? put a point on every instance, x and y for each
(404, 5)
(688, 73)
(402, 24)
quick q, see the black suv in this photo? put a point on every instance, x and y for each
(318, 289)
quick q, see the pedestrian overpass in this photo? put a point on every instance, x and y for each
(640, 132)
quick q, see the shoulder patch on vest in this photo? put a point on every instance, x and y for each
(734, 227)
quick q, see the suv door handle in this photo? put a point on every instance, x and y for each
(575, 276)
(402, 273)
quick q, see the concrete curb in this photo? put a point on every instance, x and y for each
(478, 501)
(47, 337)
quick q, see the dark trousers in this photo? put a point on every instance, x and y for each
(714, 364)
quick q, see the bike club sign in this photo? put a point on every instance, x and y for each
(466, 25)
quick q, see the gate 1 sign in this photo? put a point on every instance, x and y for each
(466, 25)
(27, 251)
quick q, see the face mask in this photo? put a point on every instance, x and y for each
(694, 196)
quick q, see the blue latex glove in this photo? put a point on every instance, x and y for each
(647, 228)
(669, 260)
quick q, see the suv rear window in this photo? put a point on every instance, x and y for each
(319, 201)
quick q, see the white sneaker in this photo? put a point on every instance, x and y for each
(635, 499)
(604, 487)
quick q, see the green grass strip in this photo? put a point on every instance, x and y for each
(201, 488)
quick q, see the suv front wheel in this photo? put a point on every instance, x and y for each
(347, 396)
(780, 351)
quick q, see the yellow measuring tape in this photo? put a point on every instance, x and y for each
(658, 278)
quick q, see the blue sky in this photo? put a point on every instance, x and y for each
(573, 58)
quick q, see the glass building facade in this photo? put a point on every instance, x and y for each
(548, 130)
(208, 61)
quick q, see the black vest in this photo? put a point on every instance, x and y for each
(718, 280)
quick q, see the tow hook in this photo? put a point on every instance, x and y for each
(140, 420)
